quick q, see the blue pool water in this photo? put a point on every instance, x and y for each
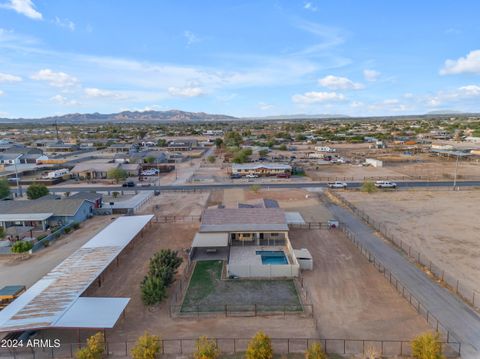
(272, 257)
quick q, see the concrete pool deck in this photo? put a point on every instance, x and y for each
(248, 256)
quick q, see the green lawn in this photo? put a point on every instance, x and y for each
(208, 293)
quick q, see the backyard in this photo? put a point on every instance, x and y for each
(207, 292)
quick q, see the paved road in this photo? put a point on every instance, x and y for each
(458, 317)
(246, 185)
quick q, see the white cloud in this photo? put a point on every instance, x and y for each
(339, 83)
(467, 64)
(9, 78)
(62, 100)
(463, 93)
(265, 106)
(317, 97)
(371, 75)
(189, 91)
(2, 93)
(191, 37)
(66, 23)
(93, 92)
(24, 7)
(56, 79)
(470, 90)
(310, 6)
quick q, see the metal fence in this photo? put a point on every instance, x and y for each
(383, 348)
(401, 288)
(464, 291)
(310, 225)
(45, 241)
(176, 219)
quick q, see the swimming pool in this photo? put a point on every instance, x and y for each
(272, 257)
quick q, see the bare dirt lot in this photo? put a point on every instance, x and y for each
(177, 204)
(443, 225)
(27, 272)
(351, 298)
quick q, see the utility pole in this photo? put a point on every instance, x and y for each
(56, 130)
(19, 188)
(455, 177)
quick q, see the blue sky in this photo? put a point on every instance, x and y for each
(242, 58)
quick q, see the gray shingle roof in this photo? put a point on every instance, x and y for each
(64, 207)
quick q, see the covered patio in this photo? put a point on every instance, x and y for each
(210, 246)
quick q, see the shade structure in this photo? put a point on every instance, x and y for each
(210, 240)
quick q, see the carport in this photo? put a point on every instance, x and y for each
(210, 246)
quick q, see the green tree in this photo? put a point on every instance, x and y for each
(259, 347)
(153, 290)
(206, 349)
(162, 142)
(147, 347)
(94, 349)
(218, 142)
(263, 153)
(233, 138)
(4, 188)
(118, 174)
(283, 147)
(149, 159)
(315, 351)
(255, 188)
(368, 187)
(2, 232)
(36, 190)
(427, 346)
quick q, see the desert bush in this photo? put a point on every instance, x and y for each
(255, 188)
(427, 346)
(94, 349)
(147, 347)
(206, 349)
(153, 290)
(259, 347)
(368, 187)
(315, 351)
(67, 230)
(75, 225)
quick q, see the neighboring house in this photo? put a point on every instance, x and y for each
(120, 147)
(28, 154)
(10, 158)
(133, 169)
(158, 156)
(93, 170)
(253, 241)
(42, 213)
(93, 197)
(261, 169)
(182, 145)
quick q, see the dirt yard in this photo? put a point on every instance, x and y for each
(176, 204)
(443, 225)
(351, 298)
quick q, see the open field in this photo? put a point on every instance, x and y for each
(207, 292)
(27, 272)
(442, 225)
(176, 204)
(351, 298)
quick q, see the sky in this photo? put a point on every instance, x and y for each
(239, 57)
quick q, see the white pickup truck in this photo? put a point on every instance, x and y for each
(337, 184)
(385, 184)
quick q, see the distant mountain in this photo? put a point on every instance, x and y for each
(302, 116)
(126, 116)
(445, 112)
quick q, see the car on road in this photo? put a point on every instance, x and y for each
(128, 184)
(337, 184)
(235, 175)
(385, 184)
(251, 175)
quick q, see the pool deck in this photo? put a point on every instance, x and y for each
(247, 255)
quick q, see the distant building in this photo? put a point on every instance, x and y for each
(182, 145)
(261, 169)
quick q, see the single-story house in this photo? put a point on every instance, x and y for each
(93, 169)
(182, 145)
(253, 241)
(261, 169)
(42, 213)
(133, 169)
(93, 197)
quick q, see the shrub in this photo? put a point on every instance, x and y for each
(211, 159)
(165, 258)
(206, 349)
(21, 247)
(36, 190)
(2, 232)
(118, 174)
(368, 187)
(153, 290)
(259, 347)
(147, 347)
(427, 346)
(75, 225)
(67, 230)
(94, 348)
(315, 351)
(4, 188)
(255, 188)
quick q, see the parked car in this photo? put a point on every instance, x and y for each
(235, 175)
(251, 175)
(385, 184)
(283, 175)
(128, 184)
(337, 184)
